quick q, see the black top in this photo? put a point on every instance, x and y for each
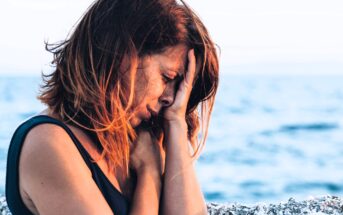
(118, 202)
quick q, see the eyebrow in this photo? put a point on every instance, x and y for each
(179, 70)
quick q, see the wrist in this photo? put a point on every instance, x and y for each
(176, 138)
(147, 170)
(176, 122)
(150, 176)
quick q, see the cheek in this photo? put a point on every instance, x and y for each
(155, 89)
(147, 92)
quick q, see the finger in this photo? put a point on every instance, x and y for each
(186, 85)
(191, 70)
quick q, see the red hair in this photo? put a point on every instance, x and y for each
(87, 87)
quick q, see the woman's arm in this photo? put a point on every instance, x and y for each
(181, 190)
(182, 193)
(54, 175)
(147, 159)
(147, 193)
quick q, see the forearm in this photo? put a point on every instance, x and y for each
(182, 193)
(147, 194)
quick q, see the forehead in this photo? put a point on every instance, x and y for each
(173, 58)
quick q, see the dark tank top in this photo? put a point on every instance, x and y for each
(116, 200)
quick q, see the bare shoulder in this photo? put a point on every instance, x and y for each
(49, 143)
(54, 175)
(48, 140)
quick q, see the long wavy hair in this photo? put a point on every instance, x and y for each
(87, 86)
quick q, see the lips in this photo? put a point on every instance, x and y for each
(146, 116)
(152, 112)
(149, 115)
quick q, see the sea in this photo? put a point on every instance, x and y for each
(271, 137)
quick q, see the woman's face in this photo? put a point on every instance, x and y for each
(156, 81)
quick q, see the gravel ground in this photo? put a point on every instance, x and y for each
(317, 206)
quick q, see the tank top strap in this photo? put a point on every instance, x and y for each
(40, 119)
(118, 202)
(12, 191)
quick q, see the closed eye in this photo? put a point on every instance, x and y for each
(167, 79)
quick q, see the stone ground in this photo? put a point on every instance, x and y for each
(315, 206)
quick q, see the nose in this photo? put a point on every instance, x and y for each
(168, 95)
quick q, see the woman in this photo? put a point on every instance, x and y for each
(120, 133)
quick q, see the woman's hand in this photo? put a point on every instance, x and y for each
(177, 111)
(147, 154)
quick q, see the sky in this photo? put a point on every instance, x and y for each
(255, 37)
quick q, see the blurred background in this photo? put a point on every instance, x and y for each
(277, 126)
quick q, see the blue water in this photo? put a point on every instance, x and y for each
(270, 137)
